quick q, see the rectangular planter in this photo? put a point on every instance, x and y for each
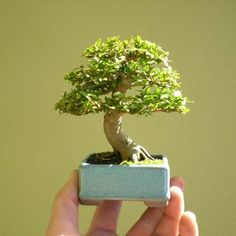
(147, 183)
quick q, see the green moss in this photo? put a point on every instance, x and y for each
(145, 162)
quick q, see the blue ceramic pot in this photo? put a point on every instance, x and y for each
(147, 183)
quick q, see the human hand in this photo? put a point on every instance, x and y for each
(169, 221)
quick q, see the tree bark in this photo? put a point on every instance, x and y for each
(120, 142)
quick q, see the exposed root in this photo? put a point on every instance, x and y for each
(139, 153)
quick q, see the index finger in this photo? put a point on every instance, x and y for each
(147, 223)
(169, 223)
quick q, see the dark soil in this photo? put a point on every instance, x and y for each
(109, 158)
(104, 158)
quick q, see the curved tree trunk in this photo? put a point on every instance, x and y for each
(120, 142)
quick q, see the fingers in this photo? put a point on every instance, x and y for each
(147, 222)
(178, 181)
(169, 223)
(105, 218)
(188, 225)
(150, 218)
(64, 216)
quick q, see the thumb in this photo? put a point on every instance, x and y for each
(64, 215)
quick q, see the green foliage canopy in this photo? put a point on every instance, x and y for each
(153, 83)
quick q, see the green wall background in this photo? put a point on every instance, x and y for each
(42, 40)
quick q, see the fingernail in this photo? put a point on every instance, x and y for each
(192, 215)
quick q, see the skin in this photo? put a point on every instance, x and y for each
(172, 220)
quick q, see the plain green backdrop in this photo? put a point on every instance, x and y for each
(42, 40)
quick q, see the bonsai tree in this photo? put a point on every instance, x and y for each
(123, 77)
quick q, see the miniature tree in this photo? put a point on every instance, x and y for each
(130, 76)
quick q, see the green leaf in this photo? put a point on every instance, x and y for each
(148, 91)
